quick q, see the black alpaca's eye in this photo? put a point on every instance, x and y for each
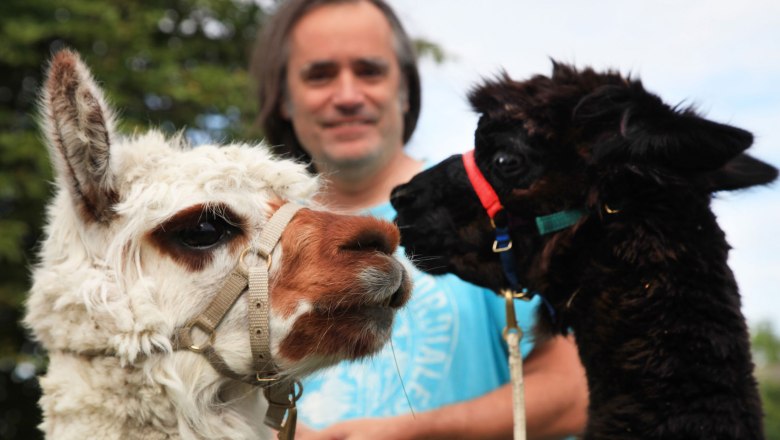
(508, 164)
(205, 233)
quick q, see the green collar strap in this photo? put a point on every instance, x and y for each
(547, 224)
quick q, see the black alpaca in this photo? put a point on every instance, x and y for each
(641, 277)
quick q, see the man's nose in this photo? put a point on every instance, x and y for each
(349, 93)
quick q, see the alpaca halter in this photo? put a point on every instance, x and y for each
(281, 394)
(502, 245)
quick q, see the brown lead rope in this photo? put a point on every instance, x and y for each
(280, 393)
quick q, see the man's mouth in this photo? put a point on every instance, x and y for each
(348, 123)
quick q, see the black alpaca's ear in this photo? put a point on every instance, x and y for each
(650, 132)
(740, 172)
(683, 141)
(494, 97)
(564, 73)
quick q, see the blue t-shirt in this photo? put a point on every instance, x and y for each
(446, 342)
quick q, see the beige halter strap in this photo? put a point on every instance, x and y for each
(280, 393)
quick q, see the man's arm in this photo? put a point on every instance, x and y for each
(556, 405)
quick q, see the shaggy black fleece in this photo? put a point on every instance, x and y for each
(642, 278)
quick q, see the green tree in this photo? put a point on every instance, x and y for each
(766, 350)
(171, 64)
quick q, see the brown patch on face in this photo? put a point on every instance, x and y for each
(324, 255)
(192, 235)
(342, 332)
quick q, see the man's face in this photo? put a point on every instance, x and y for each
(344, 93)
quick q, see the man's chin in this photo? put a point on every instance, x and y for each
(351, 159)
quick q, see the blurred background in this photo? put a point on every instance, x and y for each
(181, 65)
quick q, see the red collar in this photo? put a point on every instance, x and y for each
(487, 195)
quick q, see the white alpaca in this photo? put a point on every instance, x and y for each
(142, 234)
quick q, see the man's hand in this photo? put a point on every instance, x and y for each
(556, 397)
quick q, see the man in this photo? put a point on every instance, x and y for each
(338, 87)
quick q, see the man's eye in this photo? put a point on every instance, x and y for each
(206, 233)
(370, 69)
(319, 74)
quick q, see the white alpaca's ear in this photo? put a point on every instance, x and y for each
(79, 127)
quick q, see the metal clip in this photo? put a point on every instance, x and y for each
(511, 319)
(502, 236)
(287, 430)
(522, 295)
(497, 249)
(199, 348)
(244, 267)
(265, 379)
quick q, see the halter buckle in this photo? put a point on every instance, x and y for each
(264, 379)
(242, 263)
(497, 248)
(199, 348)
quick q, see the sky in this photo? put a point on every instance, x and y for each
(723, 57)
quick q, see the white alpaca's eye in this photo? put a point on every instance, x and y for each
(205, 233)
(191, 234)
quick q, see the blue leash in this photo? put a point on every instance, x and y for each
(503, 247)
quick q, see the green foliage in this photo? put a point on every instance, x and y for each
(170, 64)
(766, 344)
(766, 351)
(426, 48)
(770, 396)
